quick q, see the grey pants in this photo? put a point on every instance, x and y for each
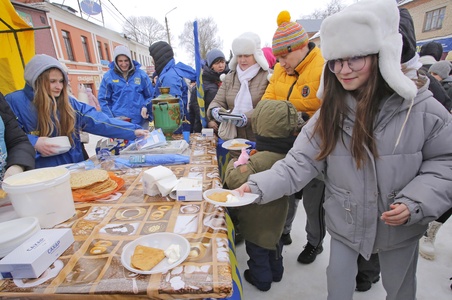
(313, 197)
(398, 271)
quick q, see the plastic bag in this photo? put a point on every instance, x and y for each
(227, 131)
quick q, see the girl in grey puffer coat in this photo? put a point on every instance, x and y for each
(384, 145)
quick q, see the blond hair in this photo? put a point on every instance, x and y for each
(61, 120)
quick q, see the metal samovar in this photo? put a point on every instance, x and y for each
(166, 111)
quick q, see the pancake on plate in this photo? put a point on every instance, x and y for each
(145, 258)
(220, 196)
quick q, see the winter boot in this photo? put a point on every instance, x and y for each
(309, 253)
(427, 242)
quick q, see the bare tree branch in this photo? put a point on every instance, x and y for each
(331, 8)
(207, 34)
(144, 30)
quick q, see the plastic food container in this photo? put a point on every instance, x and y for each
(62, 142)
(42, 193)
(14, 232)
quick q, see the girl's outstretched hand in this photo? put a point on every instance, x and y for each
(141, 133)
(244, 188)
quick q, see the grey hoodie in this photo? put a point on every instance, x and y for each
(123, 50)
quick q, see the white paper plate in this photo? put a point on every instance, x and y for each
(230, 144)
(246, 199)
(161, 240)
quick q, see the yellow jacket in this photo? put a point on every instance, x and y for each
(299, 89)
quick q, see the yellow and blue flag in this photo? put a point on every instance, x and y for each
(199, 85)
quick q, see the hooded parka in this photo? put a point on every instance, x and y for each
(415, 171)
(124, 95)
(87, 118)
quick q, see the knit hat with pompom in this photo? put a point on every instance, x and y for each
(289, 36)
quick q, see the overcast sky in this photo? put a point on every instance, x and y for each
(233, 17)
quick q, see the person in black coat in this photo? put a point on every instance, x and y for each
(431, 50)
(20, 154)
(214, 67)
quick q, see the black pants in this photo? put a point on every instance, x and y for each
(443, 218)
(85, 154)
(265, 265)
(368, 270)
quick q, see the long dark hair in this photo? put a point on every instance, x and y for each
(334, 110)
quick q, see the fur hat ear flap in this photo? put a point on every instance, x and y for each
(321, 86)
(391, 70)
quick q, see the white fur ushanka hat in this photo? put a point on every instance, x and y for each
(368, 27)
(248, 43)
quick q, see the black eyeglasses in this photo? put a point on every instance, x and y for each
(355, 64)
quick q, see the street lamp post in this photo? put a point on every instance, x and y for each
(167, 28)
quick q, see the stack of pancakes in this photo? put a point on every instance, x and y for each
(97, 182)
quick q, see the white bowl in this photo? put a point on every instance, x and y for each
(13, 233)
(62, 142)
(161, 240)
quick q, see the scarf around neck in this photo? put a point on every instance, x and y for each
(243, 101)
(278, 145)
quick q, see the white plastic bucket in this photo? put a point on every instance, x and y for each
(42, 193)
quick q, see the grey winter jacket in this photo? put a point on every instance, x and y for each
(416, 172)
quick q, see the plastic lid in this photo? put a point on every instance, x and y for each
(14, 232)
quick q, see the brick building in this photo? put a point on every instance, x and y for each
(83, 47)
(432, 21)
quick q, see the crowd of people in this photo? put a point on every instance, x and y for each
(359, 129)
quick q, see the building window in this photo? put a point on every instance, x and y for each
(99, 48)
(85, 48)
(434, 19)
(67, 43)
(106, 52)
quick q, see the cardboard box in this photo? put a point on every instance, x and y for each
(207, 132)
(189, 189)
(36, 254)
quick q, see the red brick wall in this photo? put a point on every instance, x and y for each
(39, 19)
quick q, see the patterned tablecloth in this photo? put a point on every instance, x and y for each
(92, 265)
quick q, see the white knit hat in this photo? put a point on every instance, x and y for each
(248, 43)
(368, 27)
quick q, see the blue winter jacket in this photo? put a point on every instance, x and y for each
(87, 119)
(120, 97)
(172, 76)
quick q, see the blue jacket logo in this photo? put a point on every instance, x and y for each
(137, 80)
